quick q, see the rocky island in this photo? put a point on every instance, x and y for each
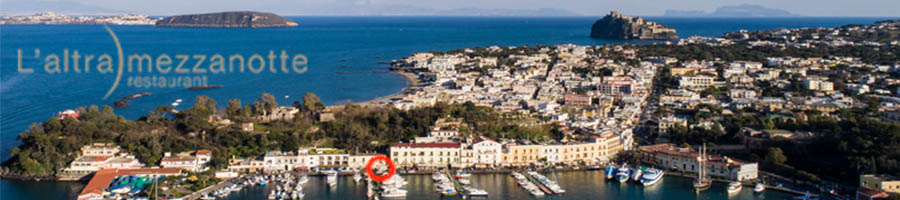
(618, 26)
(236, 19)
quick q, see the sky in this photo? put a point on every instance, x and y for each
(846, 8)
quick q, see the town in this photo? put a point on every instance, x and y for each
(744, 111)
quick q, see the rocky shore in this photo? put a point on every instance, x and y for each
(238, 19)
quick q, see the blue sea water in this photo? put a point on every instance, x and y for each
(356, 43)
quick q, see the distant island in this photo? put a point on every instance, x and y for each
(618, 26)
(744, 10)
(235, 19)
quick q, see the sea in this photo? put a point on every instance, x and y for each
(345, 61)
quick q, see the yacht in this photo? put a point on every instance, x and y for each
(610, 171)
(702, 182)
(759, 188)
(734, 187)
(652, 177)
(623, 173)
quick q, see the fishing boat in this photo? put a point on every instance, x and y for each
(636, 174)
(759, 188)
(623, 173)
(652, 176)
(734, 187)
(702, 182)
(610, 171)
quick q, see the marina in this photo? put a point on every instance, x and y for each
(578, 185)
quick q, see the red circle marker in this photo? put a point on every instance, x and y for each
(391, 168)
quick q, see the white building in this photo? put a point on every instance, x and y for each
(196, 161)
(425, 154)
(487, 151)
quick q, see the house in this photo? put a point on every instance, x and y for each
(99, 156)
(486, 152)
(192, 161)
(671, 157)
(437, 154)
(880, 182)
(577, 100)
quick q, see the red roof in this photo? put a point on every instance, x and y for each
(427, 145)
(99, 182)
(204, 152)
(176, 159)
(870, 193)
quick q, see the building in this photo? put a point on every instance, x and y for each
(359, 161)
(486, 152)
(322, 157)
(437, 154)
(818, 84)
(671, 157)
(192, 161)
(577, 100)
(521, 154)
(277, 161)
(883, 183)
(67, 114)
(696, 82)
(99, 156)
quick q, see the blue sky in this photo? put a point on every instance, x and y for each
(436, 7)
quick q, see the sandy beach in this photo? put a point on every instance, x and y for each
(412, 81)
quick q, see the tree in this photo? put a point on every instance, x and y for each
(775, 156)
(311, 102)
(233, 109)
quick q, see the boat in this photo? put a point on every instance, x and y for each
(610, 171)
(636, 174)
(652, 176)
(734, 187)
(331, 178)
(436, 176)
(205, 87)
(393, 193)
(759, 188)
(702, 182)
(136, 95)
(448, 192)
(357, 177)
(465, 181)
(303, 179)
(623, 173)
(462, 174)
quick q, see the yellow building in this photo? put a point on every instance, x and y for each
(884, 183)
(521, 154)
(438, 154)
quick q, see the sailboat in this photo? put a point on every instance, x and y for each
(702, 182)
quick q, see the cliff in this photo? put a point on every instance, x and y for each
(618, 26)
(238, 19)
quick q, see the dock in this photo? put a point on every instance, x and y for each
(538, 184)
(456, 184)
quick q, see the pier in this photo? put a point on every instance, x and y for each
(456, 184)
(538, 184)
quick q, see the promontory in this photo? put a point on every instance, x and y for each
(235, 19)
(618, 26)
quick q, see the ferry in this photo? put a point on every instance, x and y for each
(623, 173)
(759, 188)
(734, 187)
(652, 177)
(610, 171)
(636, 174)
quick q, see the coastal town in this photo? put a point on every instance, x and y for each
(56, 18)
(741, 113)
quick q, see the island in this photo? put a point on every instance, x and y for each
(235, 19)
(618, 26)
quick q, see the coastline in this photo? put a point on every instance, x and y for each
(412, 83)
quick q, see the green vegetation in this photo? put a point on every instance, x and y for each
(49, 147)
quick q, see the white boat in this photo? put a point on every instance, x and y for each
(636, 174)
(734, 187)
(652, 177)
(463, 174)
(303, 179)
(465, 181)
(477, 192)
(177, 100)
(357, 177)
(759, 187)
(393, 193)
(623, 173)
(174, 104)
(331, 178)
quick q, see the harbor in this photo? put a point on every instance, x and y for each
(578, 185)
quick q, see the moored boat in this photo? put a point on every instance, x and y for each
(734, 187)
(610, 171)
(636, 174)
(759, 188)
(652, 176)
(623, 173)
